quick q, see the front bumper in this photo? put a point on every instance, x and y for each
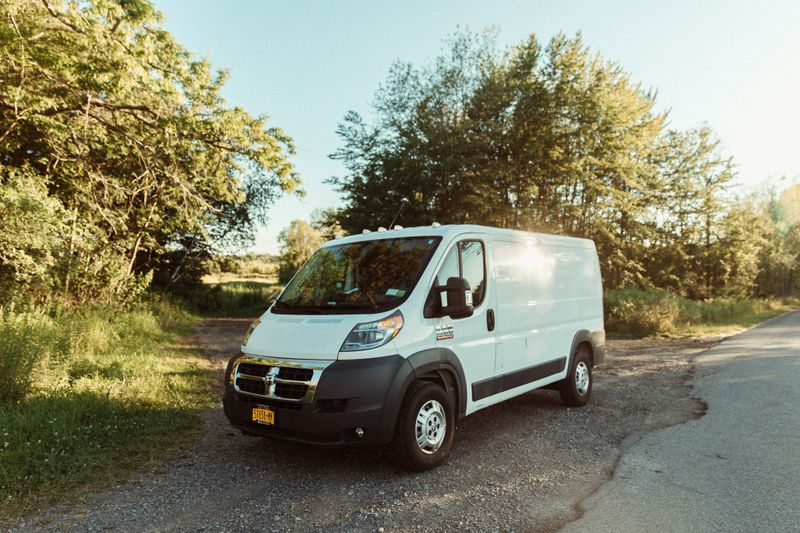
(363, 393)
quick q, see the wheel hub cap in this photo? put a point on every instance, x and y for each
(431, 426)
(582, 378)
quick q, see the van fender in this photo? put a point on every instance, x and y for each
(442, 359)
(416, 366)
(596, 339)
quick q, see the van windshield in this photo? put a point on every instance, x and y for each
(361, 277)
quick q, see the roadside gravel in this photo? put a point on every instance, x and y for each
(522, 465)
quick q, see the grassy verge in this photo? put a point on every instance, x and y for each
(87, 395)
(643, 313)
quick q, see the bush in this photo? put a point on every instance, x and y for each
(643, 313)
(31, 236)
(639, 313)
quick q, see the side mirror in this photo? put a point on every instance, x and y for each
(459, 298)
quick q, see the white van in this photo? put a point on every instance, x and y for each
(392, 336)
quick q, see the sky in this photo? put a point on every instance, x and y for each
(733, 65)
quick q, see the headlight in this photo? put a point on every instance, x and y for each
(369, 335)
(250, 330)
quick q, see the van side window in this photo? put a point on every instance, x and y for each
(465, 260)
(473, 268)
(450, 268)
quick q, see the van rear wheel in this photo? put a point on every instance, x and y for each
(576, 388)
(425, 426)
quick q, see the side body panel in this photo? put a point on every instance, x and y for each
(548, 295)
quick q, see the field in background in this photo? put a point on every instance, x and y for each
(237, 286)
(85, 395)
(235, 298)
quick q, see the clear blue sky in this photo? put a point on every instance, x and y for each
(734, 65)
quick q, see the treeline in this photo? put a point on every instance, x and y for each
(121, 165)
(557, 139)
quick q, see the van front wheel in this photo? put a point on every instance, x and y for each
(576, 389)
(425, 425)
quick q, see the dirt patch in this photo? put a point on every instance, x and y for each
(524, 464)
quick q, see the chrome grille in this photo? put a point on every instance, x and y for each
(291, 380)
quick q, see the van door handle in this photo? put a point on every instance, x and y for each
(490, 319)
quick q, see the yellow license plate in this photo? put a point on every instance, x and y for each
(263, 416)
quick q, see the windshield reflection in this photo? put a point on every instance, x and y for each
(361, 277)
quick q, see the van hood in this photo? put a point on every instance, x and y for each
(302, 336)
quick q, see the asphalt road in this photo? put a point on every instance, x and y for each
(735, 469)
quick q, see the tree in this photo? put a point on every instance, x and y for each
(557, 139)
(687, 212)
(541, 138)
(298, 241)
(326, 223)
(130, 135)
(780, 257)
(745, 232)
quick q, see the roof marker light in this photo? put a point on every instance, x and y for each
(381, 229)
(365, 231)
(398, 226)
(435, 225)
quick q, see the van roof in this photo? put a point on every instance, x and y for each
(449, 231)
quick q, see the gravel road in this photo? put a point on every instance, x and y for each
(525, 464)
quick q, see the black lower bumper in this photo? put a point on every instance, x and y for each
(353, 394)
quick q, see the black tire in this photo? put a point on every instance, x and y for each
(572, 394)
(408, 453)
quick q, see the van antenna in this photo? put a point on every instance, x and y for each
(402, 204)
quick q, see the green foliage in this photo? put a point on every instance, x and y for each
(555, 138)
(686, 214)
(326, 223)
(24, 339)
(51, 445)
(31, 230)
(298, 241)
(233, 298)
(644, 313)
(637, 313)
(540, 138)
(130, 137)
(780, 257)
(93, 391)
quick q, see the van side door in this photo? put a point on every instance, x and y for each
(532, 330)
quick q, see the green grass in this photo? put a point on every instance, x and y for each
(234, 298)
(99, 392)
(644, 313)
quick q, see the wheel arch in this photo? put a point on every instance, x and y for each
(435, 364)
(442, 365)
(595, 340)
